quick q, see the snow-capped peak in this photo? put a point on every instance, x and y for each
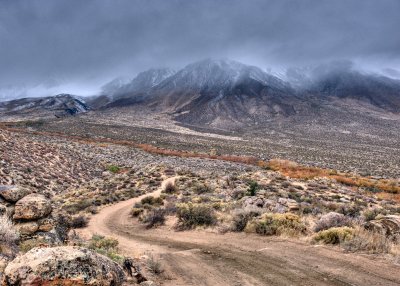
(218, 74)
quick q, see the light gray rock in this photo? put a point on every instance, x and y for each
(64, 265)
(13, 193)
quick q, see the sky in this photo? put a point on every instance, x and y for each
(75, 46)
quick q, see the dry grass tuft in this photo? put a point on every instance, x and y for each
(154, 265)
(8, 234)
(368, 241)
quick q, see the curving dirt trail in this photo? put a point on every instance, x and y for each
(207, 258)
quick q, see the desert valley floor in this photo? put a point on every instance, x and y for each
(195, 207)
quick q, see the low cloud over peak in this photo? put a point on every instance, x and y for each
(86, 43)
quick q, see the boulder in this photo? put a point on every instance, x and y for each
(63, 265)
(269, 204)
(388, 225)
(46, 224)
(33, 206)
(331, 219)
(280, 208)
(27, 228)
(13, 193)
(253, 202)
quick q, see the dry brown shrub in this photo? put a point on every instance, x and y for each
(368, 241)
(294, 170)
(8, 234)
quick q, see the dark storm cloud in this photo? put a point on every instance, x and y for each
(86, 42)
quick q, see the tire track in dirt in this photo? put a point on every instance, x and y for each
(205, 258)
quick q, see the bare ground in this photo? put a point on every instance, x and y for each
(208, 258)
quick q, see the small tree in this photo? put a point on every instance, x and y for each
(253, 188)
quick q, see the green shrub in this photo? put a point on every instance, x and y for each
(334, 235)
(78, 206)
(113, 169)
(191, 215)
(150, 200)
(101, 242)
(277, 224)
(79, 222)
(170, 188)
(105, 246)
(253, 188)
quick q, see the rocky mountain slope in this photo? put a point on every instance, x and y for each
(229, 94)
(60, 106)
(226, 94)
(120, 93)
(218, 92)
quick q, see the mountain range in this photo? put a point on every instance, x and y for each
(61, 105)
(225, 93)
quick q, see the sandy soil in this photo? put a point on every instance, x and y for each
(206, 258)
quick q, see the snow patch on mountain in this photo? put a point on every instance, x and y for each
(218, 75)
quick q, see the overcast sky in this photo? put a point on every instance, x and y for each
(80, 44)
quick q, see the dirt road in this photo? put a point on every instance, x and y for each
(207, 258)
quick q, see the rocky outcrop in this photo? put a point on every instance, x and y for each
(281, 205)
(331, 219)
(13, 193)
(31, 212)
(33, 206)
(67, 265)
(388, 225)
